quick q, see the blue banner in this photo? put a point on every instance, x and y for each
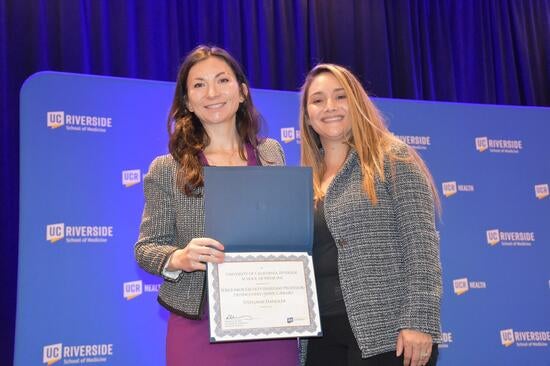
(87, 141)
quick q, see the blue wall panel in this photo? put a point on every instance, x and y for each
(83, 299)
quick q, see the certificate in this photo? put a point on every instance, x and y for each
(266, 286)
(255, 295)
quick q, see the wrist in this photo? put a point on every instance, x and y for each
(171, 263)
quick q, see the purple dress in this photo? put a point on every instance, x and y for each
(187, 341)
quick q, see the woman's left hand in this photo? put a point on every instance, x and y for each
(415, 346)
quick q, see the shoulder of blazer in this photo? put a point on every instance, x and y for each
(163, 166)
(401, 154)
(270, 152)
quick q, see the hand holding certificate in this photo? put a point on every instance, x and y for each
(262, 292)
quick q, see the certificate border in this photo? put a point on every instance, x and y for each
(311, 329)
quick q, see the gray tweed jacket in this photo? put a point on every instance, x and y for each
(170, 220)
(388, 254)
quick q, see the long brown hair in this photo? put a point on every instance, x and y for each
(370, 136)
(187, 136)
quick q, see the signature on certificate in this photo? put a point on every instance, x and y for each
(238, 317)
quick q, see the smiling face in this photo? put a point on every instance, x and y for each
(213, 92)
(327, 109)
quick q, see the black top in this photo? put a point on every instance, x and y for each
(325, 261)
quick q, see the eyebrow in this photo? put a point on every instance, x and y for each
(218, 74)
(335, 90)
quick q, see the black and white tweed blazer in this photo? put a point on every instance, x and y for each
(170, 220)
(388, 254)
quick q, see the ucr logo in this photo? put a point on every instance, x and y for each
(507, 337)
(449, 188)
(287, 134)
(482, 144)
(460, 285)
(541, 191)
(133, 289)
(131, 177)
(55, 232)
(51, 353)
(56, 119)
(493, 236)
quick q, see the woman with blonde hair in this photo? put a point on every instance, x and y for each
(376, 250)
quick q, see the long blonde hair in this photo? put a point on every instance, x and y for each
(370, 136)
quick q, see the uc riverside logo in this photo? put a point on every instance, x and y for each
(131, 177)
(86, 353)
(133, 289)
(80, 123)
(451, 188)
(416, 142)
(52, 353)
(462, 285)
(56, 119)
(510, 238)
(529, 338)
(447, 339)
(289, 134)
(78, 234)
(55, 232)
(541, 191)
(507, 337)
(498, 146)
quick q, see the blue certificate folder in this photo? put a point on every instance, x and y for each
(259, 209)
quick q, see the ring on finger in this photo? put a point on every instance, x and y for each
(200, 258)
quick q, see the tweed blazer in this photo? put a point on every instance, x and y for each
(388, 253)
(170, 220)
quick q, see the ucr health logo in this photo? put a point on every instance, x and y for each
(451, 188)
(462, 285)
(541, 191)
(510, 238)
(80, 123)
(133, 289)
(78, 234)
(80, 354)
(289, 134)
(131, 177)
(524, 338)
(498, 145)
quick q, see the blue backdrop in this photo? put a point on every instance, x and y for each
(86, 143)
(486, 51)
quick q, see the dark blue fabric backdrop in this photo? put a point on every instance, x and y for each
(487, 51)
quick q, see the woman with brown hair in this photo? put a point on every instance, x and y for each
(376, 250)
(212, 121)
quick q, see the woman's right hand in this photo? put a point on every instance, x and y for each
(195, 255)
